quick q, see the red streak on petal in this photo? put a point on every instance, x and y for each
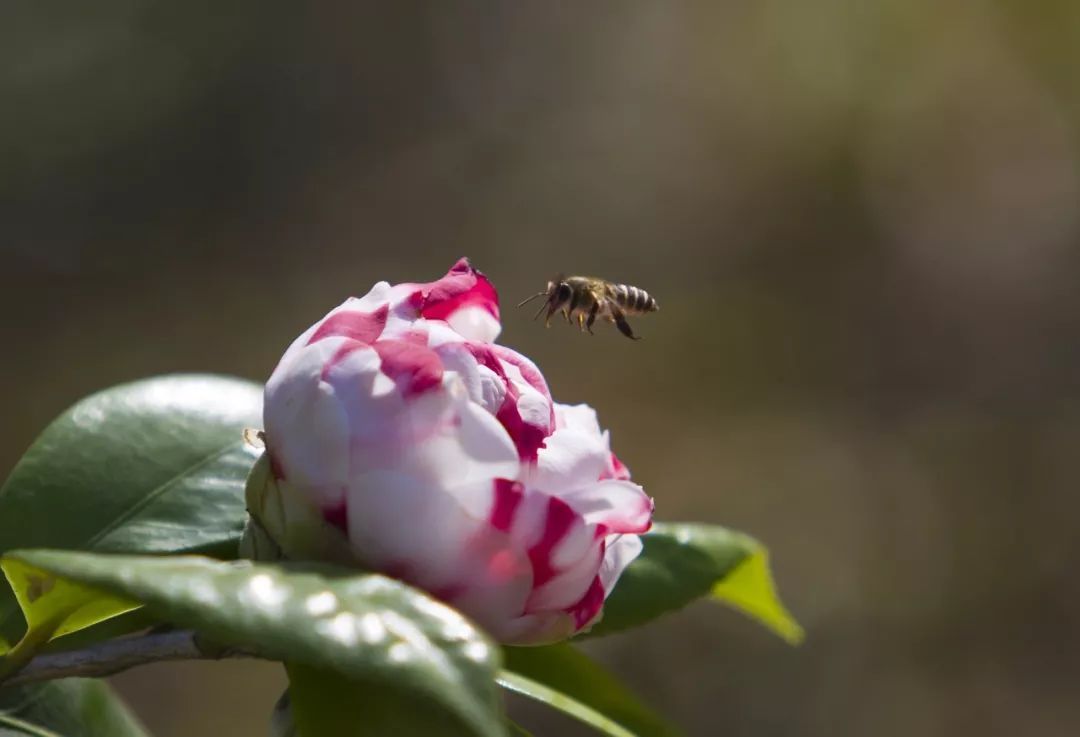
(275, 466)
(508, 495)
(503, 566)
(337, 516)
(630, 520)
(617, 471)
(485, 356)
(557, 523)
(448, 593)
(415, 368)
(528, 439)
(585, 610)
(528, 369)
(462, 286)
(365, 327)
(344, 351)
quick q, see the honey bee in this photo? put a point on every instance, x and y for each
(584, 298)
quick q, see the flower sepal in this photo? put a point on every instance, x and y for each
(283, 525)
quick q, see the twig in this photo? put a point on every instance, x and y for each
(114, 656)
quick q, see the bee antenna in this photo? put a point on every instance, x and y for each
(530, 299)
(538, 312)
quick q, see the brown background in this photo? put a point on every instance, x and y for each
(861, 221)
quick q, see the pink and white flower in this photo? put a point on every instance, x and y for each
(442, 459)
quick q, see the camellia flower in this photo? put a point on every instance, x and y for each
(423, 450)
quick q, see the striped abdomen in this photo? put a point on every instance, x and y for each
(632, 300)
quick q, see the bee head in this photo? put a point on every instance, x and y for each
(561, 292)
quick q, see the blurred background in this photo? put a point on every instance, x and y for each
(861, 220)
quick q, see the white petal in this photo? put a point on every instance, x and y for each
(370, 397)
(621, 552)
(440, 334)
(375, 298)
(567, 588)
(478, 448)
(484, 386)
(569, 459)
(397, 520)
(404, 525)
(621, 506)
(306, 424)
(446, 442)
(475, 323)
(580, 417)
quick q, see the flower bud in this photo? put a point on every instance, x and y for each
(431, 454)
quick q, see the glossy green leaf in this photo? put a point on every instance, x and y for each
(684, 562)
(107, 629)
(326, 704)
(568, 671)
(572, 707)
(516, 730)
(750, 588)
(73, 707)
(364, 627)
(156, 466)
(52, 607)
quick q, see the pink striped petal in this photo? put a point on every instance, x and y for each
(475, 322)
(571, 458)
(588, 608)
(307, 427)
(569, 585)
(616, 506)
(365, 327)
(464, 298)
(526, 368)
(616, 469)
(415, 368)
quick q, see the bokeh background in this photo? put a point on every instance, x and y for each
(861, 221)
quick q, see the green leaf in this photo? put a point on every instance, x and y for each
(684, 562)
(516, 730)
(538, 691)
(156, 466)
(52, 607)
(364, 627)
(107, 629)
(73, 707)
(326, 704)
(750, 588)
(569, 672)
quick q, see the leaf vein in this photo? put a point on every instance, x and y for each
(27, 727)
(154, 493)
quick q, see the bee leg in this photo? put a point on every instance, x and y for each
(624, 326)
(552, 309)
(581, 321)
(572, 308)
(592, 317)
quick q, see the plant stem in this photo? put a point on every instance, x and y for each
(114, 656)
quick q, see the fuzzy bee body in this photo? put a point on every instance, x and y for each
(582, 299)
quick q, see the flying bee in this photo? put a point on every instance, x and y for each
(584, 298)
